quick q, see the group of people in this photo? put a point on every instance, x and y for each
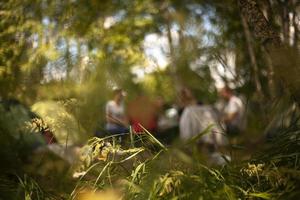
(142, 113)
(214, 125)
(193, 120)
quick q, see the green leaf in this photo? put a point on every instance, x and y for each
(196, 138)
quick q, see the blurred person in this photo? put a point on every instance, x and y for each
(116, 120)
(196, 118)
(168, 124)
(168, 118)
(233, 111)
(144, 111)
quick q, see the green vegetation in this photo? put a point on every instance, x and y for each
(59, 61)
(152, 171)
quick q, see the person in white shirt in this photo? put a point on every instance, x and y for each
(116, 120)
(233, 112)
(196, 118)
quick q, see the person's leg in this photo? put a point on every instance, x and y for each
(118, 130)
(232, 130)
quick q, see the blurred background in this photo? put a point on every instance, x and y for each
(61, 60)
(79, 50)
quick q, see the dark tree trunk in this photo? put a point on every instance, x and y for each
(68, 58)
(261, 27)
(285, 60)
(285, 21)
(296, 27)
(270, 75)
(269, 10)
(252, 55)
(173, 67)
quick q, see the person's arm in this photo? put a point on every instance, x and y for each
(108, 114)
(110, 119)
(124, 119)
(113, 120)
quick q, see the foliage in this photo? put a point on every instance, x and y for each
(141, 167)
(179, 173)
(70, 54)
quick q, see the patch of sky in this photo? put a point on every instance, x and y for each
(54, 71)
(46, 21)
(155, 48)
(112, 20)
(196, 9)
(209, 29)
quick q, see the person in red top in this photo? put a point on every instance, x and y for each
(143, 112)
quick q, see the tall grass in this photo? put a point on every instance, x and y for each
(141, 167)
(180, 173)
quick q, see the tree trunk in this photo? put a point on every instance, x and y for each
(285, 21)
(252, 56)
(173, 67)
(68, 58)
(261, 27)
(270, 75)
(296, 28)
(285, 60)
(269, 10)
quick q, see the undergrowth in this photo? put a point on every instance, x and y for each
(149, 170)
(141, 167)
